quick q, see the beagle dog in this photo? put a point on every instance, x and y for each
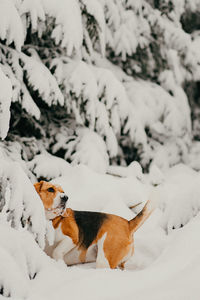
(85, 236)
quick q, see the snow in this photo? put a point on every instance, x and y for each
(68, 30)
(169, 124)
(21, 205)
(113, 94)
(35, 10)
(40, 79)
(162, 109)
(193, 5)
(85, 147)
(48, 166)
(162, 279)
(182, 202)
(5, 101)
(95, 190)
(11, 27)
(125, 41)
(165, 264)
(194, 158)
(88, 149)
(13, 268)
(14, 81)
(28, 104)
(112, 107)
(94, 8)
(195, 52)
(68, 24)
(107, 107)
(125, 29)
(64, 65)
(134, 169)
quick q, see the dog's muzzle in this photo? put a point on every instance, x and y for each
(63, 201)
(59, 208)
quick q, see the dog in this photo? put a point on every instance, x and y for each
(86, 236)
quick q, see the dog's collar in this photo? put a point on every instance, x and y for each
(52, 210)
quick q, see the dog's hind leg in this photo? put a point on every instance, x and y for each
(121, 266)
(63, 248)
(101, 261)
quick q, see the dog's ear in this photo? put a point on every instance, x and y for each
(38, 186)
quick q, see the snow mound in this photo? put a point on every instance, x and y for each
(11, 26)
(20, 204)
(164, 260)
(40, 79)
(180, 196)
(85, 147)
(133, 169)
(88, 190)
(173, 275)
(48, 166)
(5, 102)
(22, 262)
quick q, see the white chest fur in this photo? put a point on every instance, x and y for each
(59, 236)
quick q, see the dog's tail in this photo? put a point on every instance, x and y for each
(149, 207)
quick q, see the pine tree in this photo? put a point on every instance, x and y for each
(96, 82)
(95, 71)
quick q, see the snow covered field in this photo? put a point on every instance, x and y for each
(166, 263)
(86, 88)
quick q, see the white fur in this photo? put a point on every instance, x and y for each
(73, 257)
(102, 261)
(49, 215)
(59, 236)
(63, 247)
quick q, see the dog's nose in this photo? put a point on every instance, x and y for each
(64, 199)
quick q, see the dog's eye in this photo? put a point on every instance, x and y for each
(51, 190)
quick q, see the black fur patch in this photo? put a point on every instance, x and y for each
(89, 224)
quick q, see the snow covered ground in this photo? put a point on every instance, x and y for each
(166, 263)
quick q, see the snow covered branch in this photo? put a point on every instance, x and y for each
(20, 204)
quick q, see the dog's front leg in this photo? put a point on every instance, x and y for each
(63, 248)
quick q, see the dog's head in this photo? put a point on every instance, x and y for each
(53, 197)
